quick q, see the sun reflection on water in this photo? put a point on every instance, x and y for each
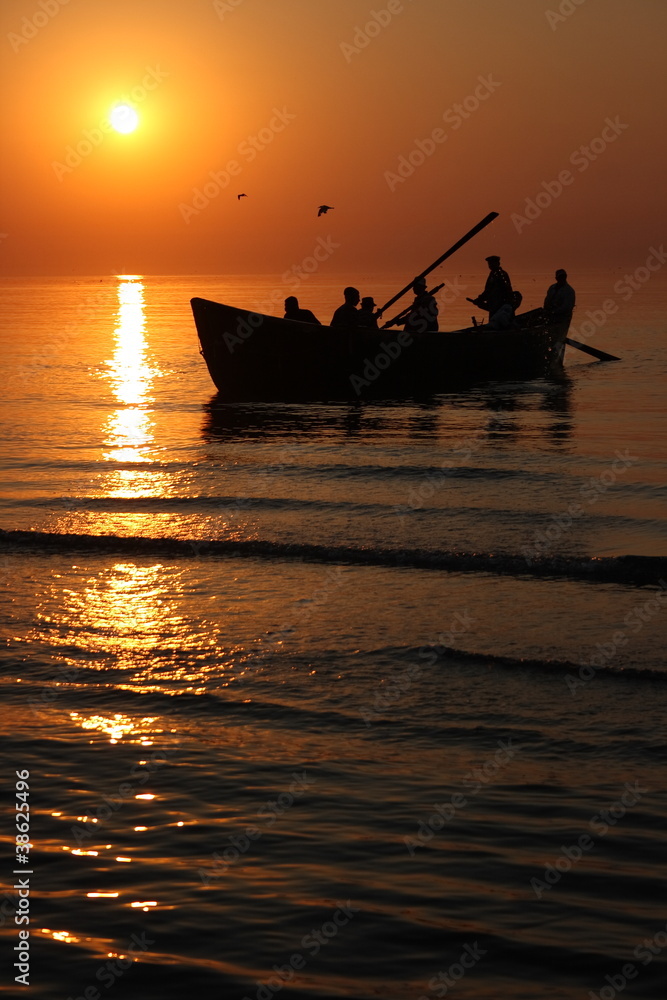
(63, 936)
(129, 427)
(119, 726)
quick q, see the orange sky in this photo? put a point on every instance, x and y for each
(310, 109)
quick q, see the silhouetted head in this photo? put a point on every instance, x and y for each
(493, 262)
(517, 299)
(419, 285)
(351, 295)
(561, 276)
(367, 303)
(291, 304)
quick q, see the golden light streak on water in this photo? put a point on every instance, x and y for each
(117, 726)
(63, 936)
(129, 427)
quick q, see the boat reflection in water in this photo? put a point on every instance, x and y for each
(539, 409)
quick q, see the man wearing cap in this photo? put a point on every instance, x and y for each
(367, 315)
(498, 289)
(423, 315)
(560, 299)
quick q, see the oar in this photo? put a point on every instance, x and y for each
(464, 239)
(404, 312)
(600, 355)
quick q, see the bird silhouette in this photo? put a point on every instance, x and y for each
(323, 209)
(241, 196)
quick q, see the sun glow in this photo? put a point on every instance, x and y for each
(124, 118)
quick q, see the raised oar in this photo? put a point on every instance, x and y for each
(404, 312)
(464, 239)
(600, 355)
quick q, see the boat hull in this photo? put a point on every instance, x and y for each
(252, 356)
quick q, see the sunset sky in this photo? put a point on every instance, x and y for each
(342, 102)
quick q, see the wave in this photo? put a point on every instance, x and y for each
(177, 503)
(536, 663)
(628, 569)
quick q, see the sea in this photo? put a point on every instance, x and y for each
(340, 699)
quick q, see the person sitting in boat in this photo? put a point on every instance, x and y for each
(347, 314)
(423, 315)
(498, 289)
(503, 318)
(560, 299)
(292, 311)
(367, 315)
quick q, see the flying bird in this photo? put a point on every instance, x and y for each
(323, 209)
(241, 196)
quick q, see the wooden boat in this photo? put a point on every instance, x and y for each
(252, 356)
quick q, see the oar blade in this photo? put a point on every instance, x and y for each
(600, 355)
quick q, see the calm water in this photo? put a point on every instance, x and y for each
(336, 700)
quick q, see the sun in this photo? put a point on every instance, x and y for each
(124, 118)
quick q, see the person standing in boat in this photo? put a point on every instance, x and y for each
(347, 314)
(423, 315)
(559, 300)
(498, 289)
(367, 316)
(292, 311)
